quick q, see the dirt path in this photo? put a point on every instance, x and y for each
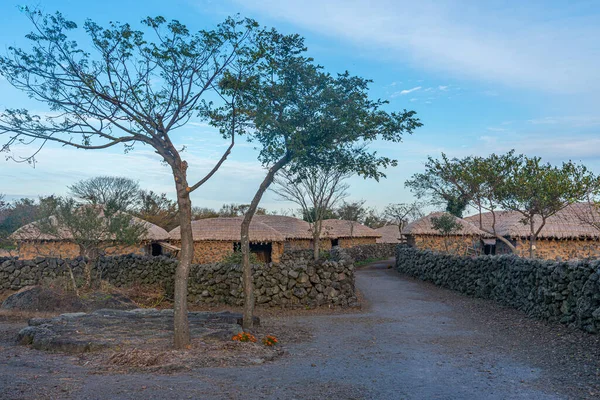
(414, 341)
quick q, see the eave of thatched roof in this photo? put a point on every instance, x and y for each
(423, 226)
(580, 220)
(31, 232)
(389, 234)
(229, 229)
(289, 227)
(338, 228)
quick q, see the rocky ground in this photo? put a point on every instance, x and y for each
(413, 341)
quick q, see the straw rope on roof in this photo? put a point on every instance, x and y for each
(389, 234)
(339, 228)
(229, 229)
(290, 227)
(31, 231)
(423, 226)
(580, 220)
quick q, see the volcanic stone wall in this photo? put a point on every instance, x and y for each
(376, 251)
(566, 292)
(297, 280)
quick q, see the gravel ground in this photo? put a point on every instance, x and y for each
(411, 341)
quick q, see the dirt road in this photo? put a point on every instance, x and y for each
(414, 341)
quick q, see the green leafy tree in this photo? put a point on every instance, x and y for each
(476, 180)
(302, 116)
(158, 209)
(203, 213)
(508, 181)
(129, 87)
(352, 211)
(447, 225)
(539, 190)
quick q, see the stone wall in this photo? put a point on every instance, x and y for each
(566, 292)
(377, 251)
(456, 244)
(296, 280)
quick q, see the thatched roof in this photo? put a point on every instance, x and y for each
(31, 231)
(580, 220)
(339, 228)
(389, 234)
(228, 229)
(424, 226)
(290, 227)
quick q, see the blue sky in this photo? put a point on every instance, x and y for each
(483, 77)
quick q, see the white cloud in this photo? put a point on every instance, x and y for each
(443, 88)
(575, 121)
(533, 45)
(405, 91)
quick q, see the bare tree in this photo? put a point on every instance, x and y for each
(402, 213)
(316, 190)
(123, 192)
(130, 87)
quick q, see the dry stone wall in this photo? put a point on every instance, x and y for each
(566, 292)
(297, 280)
(377, 251)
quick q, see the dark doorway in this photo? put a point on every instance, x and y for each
(262, 251)
(335, 242)
(156, 249)
(489, 247)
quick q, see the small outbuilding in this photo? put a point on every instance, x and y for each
(297, 232)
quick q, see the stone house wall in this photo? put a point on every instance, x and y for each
(457, 244)
(355, 241)
(297, 244)
(209, 251)
(557, 291)
(555, 249)
(31, 249)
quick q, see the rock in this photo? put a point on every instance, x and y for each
(37, 298)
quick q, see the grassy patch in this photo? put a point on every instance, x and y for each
(368, 261)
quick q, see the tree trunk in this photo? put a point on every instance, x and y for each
(532, 239)
(181, 325)
(316, 239)
(247, 321)
(90, 257)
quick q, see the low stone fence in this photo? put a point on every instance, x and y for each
(297, 280)
(377, 251)
(566, 292)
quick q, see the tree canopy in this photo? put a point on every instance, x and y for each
(508, 181)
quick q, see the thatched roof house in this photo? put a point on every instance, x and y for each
(228, 229)
(217, 238)
(423, 235)
(575, 221)
(348, 233)
(389, 234)
(291, 228)
(32, 242)
(573, 232)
